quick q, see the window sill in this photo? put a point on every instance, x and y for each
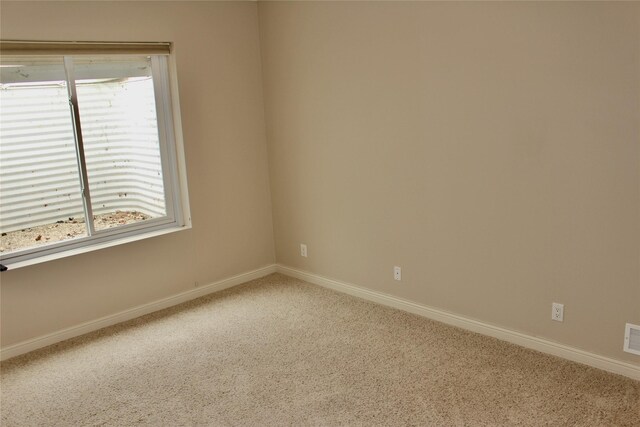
(93, 247)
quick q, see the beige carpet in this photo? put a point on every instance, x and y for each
(278, 351)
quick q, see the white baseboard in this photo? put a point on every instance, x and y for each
(524, 340)
(132, 313)
(528, 341)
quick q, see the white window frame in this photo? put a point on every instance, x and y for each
(173, 169)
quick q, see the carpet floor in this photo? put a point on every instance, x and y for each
(279, 351)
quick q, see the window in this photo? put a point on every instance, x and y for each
(89, 152)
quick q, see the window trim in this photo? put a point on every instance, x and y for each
(95, 244)
(171, 154)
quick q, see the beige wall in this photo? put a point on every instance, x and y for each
(218, 61)
(490, 149)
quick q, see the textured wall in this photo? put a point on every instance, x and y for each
(218, 62)
(490, 149)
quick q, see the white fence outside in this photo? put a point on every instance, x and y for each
(39, 182)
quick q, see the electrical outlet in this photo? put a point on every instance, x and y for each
(557, 312)
(397, 273)
(196, 284)
(303, 250)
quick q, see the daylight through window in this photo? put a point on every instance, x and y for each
(87, 151)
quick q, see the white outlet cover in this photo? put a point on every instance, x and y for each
(557, 312)
(397, 273)
(632, 339)
(303, 250)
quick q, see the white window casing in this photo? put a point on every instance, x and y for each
(164, 197)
